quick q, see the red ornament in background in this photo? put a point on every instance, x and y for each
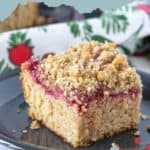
(20, 48)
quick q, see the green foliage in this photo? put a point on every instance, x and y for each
(23, 36)
(87, 27)
(1, 63)
(28, 41)
(99, 38)
(136, 33)
(87, 30)
(110, 26)
(74, 28)
(18, 37)
(4, 67)
(114, 23)
(126, 50)
(42, 28)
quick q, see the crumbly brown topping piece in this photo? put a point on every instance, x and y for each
(35, 125)
(89, 65)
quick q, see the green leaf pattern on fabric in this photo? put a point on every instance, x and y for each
(99, 38)
(114, 23)
(28, 41)
(126, 50)
(17, 38)
(42, 28)
(4, 67)
(88, 31)
(74, 28)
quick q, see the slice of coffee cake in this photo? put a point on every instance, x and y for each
(85, 94)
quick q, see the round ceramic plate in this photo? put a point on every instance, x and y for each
(14, 121)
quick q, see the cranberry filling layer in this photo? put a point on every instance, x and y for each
(56, 91)
(77, 98)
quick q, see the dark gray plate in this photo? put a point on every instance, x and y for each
(11, 99)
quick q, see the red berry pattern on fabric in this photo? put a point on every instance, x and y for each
(20, 48)
(137, 140)
(147, 147)
(144, 7)
(20, 54)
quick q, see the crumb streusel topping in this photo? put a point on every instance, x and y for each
(88, 66)
(87, 72)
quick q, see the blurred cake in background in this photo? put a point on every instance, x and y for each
(33, 14)
(23, 16)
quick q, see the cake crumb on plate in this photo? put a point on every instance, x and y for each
(144, 116)
(24, 131)
(137, 133)
(13, 131)
(114, 146)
